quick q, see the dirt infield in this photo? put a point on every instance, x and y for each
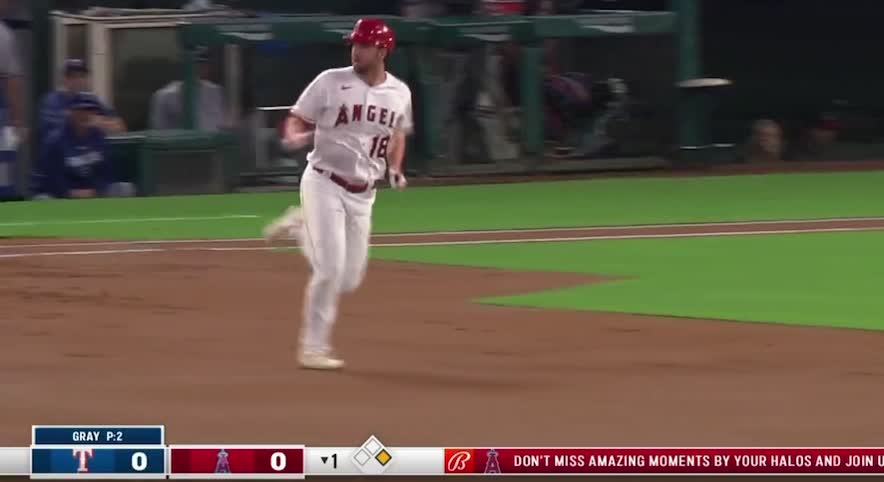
(201, 336)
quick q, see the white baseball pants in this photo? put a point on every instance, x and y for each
(336, 232)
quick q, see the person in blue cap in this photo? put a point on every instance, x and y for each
(53, 109)
(73, 161)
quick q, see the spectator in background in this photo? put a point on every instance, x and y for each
(574, 103)
(511, 64)
(167, 104)
(765, 143)
(511, 53)
(816, 139)
(12, 94)
(73, 159)
(422, 8)
(53, 109)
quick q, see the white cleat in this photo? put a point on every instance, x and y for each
(319, 360)
(285, 227)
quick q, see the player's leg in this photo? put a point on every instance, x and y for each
(359, 208)
(323, 237)
(285, 227)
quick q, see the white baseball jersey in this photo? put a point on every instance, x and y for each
(354, 122)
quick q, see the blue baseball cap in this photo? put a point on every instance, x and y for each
(84, 101)
(78, 66)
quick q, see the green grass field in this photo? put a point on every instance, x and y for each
(818, 279)
(821, 279)
(533, 205)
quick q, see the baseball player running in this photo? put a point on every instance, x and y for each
(357, 118)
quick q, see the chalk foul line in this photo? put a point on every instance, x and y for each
(129, 220)
(82, 253)
(157, 246)
(634, 227)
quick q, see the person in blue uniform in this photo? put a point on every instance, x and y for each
(73, 160)
(54, 105)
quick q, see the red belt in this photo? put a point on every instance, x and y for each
(348, 186)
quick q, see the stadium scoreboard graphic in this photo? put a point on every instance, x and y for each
(141, 452)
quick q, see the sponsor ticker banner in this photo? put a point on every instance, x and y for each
(141, 452)
(669, 461)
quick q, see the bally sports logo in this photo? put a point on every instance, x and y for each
(459, 461)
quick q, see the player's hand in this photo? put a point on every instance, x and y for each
(110, 125)
(294, 142)
(397, 180)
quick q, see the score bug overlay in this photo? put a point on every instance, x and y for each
(373, 457)
(98, 452)
(95, 435)
(98, 463)
(236, 461)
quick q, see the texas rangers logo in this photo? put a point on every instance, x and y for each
(83, 455)
(459, 461)
(223, 465)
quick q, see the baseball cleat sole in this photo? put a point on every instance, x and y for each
(319, 361)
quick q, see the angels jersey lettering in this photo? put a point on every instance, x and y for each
(354, 122)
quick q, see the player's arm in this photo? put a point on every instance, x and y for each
(111, 124)
(51, 116)
(301, 122)
(108, 120)
(396, 153)
(297, 132)
(396, 149)
(395, 159)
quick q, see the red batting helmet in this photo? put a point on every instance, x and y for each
(372, 31)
